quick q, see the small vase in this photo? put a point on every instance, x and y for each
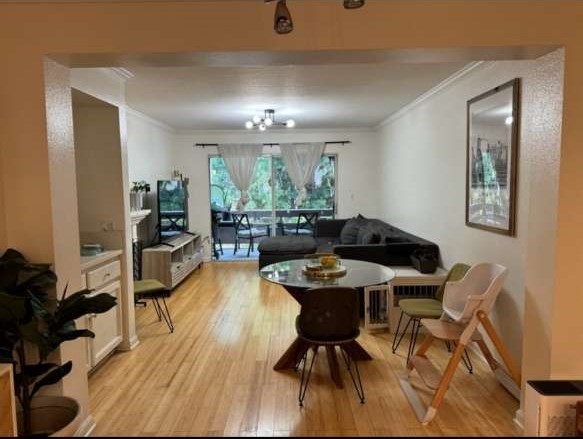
(136, 201)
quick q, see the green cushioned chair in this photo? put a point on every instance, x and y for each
(156, 291)
(425, 308)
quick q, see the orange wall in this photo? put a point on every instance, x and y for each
(29, 31)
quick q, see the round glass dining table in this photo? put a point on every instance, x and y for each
(290, 275)
(358, 274)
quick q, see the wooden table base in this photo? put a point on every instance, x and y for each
(299, 347)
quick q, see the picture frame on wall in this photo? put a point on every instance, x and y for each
(493, 120)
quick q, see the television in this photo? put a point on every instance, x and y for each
(172, 208)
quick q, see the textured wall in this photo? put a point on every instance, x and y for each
(65, 232)
(151, 157)
(424, 180)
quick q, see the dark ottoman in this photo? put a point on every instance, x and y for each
(284, 248)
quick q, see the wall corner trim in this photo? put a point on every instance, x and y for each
(428, 94)
(121, 72)
(149, 119)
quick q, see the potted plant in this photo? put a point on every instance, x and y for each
(33, 323)
(424, 260)
(138, 189)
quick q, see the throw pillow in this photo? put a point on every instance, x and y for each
(349, 233)
(367, 235)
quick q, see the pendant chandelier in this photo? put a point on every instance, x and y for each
(268, 120)
(283, 23)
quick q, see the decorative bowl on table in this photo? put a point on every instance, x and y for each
(329, 261)
(328, 267)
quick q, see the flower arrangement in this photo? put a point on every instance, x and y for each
(140, 186)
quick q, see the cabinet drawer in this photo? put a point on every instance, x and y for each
(106, 326)
(102, 275)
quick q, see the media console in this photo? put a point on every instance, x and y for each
(173, 260)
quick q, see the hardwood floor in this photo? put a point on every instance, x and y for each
(214, 375)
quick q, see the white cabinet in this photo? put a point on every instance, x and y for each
(102, 273)
(106, 326)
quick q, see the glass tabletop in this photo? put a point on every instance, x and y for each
(358, 274)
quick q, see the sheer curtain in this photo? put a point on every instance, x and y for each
(301, 160)
(240, 160)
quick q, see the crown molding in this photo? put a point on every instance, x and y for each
(274, 132)
(448, 82)
(122, 72)
(151, 120)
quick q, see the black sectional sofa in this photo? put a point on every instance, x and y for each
(370, 240)
(358, 238)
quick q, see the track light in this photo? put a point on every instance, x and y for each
(353, 4)
(283, 23)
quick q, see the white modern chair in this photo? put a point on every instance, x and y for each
(466, 304)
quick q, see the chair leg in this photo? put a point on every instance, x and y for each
(413, 340)
(355, 377)
(466, 359)
(306, 377)
(165, 313)
(395, 346)
(236, 245)
(157, 308)
(249, 247)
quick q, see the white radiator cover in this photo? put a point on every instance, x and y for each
(549, 407)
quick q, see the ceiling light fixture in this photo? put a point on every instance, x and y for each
(283, 23)
(268, 120)
(353, 4)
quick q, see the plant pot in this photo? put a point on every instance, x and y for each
(56, 416)
(424, 265)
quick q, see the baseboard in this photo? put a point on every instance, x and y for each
(129, 346)
(519, 419)
(86, 427)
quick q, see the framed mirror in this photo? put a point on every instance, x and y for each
(492, 155)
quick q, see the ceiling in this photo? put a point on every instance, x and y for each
(316, 96)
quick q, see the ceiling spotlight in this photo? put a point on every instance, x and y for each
(290, 123)
(283, 23)
(509, 120)
(256, 119)
(248, 124)
(262, 127)
(353, 4)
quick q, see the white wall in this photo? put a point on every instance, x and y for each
(423, 155)
(357, 167)
(150, 158)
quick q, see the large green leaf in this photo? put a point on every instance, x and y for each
(13, 308)
(36, 370)
(31, 333)
(53, 377)
(73, 335)
(78, 305)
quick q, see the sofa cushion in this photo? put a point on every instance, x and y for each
(326, 245)
(349, 233)
(287, 245)
(367, 235)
